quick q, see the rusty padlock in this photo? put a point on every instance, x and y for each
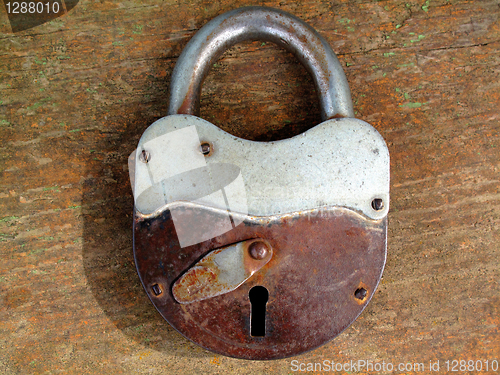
(260, 250)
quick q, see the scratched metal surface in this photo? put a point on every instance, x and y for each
(320, 260)
(76, 94)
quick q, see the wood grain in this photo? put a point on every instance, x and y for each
(76, 94)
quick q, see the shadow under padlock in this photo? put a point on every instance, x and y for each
(260, 250)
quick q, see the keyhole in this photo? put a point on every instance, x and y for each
(258, 299)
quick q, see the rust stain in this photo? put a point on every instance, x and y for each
(311, 280)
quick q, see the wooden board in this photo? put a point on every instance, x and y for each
(76, 94)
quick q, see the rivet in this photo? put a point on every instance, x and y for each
(377, 204)
(156, 290)
(360, 293)
(205, 148)
(258, 250)
(144, 156)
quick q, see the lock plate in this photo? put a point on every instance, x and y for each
(325, 268)
(340, 162)
(222, 271)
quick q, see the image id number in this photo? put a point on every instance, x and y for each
(32, 7)
(471, 365)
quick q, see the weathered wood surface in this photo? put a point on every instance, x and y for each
(76, 94)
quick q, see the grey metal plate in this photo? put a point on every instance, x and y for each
(340, 162)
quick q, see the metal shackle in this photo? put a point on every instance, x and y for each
(267, 24)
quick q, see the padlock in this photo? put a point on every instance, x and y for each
(260, 250)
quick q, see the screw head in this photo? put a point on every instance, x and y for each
(360, 293)
(377, 204)
(144, 156)
(205, 148)
(258, 250)
(156, 289)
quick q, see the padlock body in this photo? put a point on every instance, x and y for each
(311, 197)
